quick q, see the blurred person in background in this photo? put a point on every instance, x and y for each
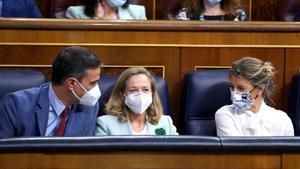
(106, 9)
(222, 10)
(19, 9)
(297, 17)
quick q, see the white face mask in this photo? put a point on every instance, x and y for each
(214, 1)
(138, 102)
(116, 3)
(91, 97)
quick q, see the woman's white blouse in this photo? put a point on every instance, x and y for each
(143, 132)
(266, 122)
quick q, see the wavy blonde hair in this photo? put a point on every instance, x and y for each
(116, 105)
(195, 8)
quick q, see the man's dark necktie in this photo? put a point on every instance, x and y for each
(60, 131)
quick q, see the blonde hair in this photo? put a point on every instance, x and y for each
(116, 105)
(256, 72)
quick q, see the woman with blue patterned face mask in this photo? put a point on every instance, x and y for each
(106, 9)
(223, 10)
(251, 81)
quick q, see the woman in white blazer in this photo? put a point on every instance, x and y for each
(135, 107)
(106, 9)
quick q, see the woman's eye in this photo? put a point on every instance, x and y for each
(133, 91)
(146, 90)
(242, 89)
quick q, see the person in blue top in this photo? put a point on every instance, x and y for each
(134, 107)
(19, 9)
(73, 89)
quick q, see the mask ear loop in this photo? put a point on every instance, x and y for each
(81, 85)
(255, 87)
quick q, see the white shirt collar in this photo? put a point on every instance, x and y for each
(56, 103)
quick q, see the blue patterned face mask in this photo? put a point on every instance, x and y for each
(241, 100)
(214, 1)
(116, 3)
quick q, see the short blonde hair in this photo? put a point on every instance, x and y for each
(256, 72)
(116, 105)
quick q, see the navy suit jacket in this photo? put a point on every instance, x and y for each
(26, 112)
(20, 9)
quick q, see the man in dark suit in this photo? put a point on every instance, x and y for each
(19, 9)
(67, 106)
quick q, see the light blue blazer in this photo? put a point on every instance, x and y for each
(109, 125)
(135, 12)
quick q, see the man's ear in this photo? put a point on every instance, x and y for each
(70, 82)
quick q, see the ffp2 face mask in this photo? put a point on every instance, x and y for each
(90, 97)
(138, 102)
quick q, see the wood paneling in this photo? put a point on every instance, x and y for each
(155, 33)
(159, 9)
(44, 7)
(290, 160)
(264, 10)
(140, 160)
(149, 8)
(292, 68)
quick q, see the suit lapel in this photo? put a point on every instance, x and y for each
(74, 119)
(125, 128)
(42, 109)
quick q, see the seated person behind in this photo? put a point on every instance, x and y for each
(297, 17)
(223, 10)
(134, 107)
(106, 9)
(19, 9)
(68, 106)
(251, 81)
